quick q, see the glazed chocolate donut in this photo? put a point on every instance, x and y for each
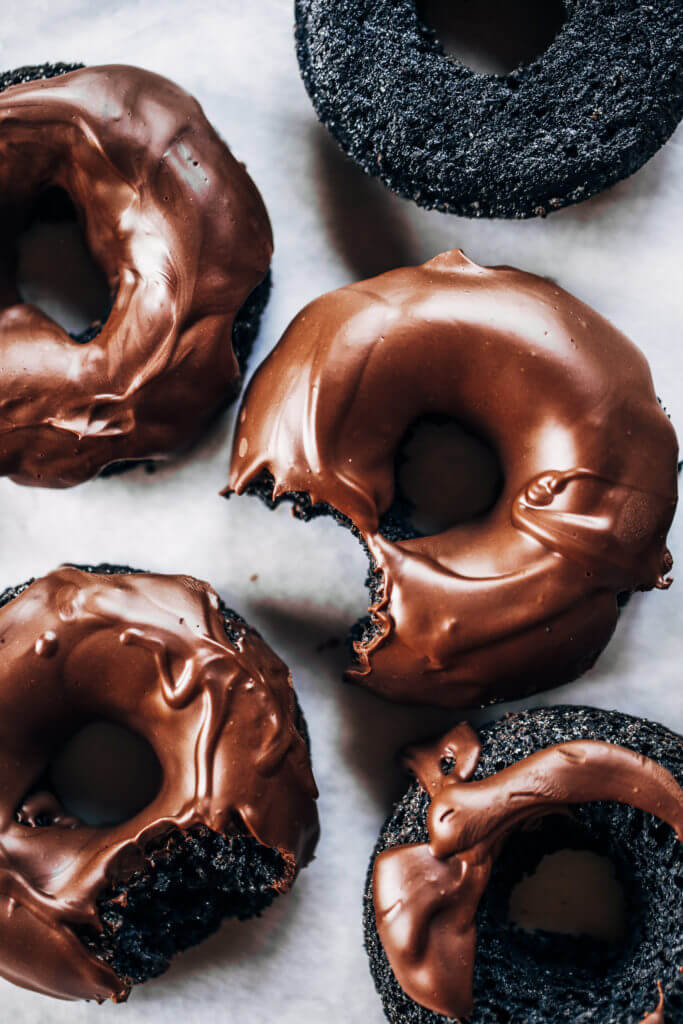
(483, 813)
(86, 911)
(526, 596)
(183, 237)
(591, 110)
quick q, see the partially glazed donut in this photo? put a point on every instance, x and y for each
(483, 812)
(86, 911)
(183, 237)
(525, 597)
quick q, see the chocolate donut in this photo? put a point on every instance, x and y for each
(182, 235)
(526, 596)
(591, 110)
(484, 812)
(86, 911)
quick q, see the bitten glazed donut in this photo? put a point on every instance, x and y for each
(182, 235)
(526, 596)
(87, 911)
(483, 812)
(602, 99)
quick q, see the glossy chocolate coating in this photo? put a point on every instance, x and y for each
(426, 895)
(151, 653)
(526, 596)
(183, 237)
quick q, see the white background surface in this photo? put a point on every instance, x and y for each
(621, 252)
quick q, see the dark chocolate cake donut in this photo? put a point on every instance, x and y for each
(87, 911)
(183, 238)
(602, 99)
(483, 812)
(527, 595)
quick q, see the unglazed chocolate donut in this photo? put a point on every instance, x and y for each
(589, 111)
(183, 237)
(525, 597)
(483, 812)
(87, 911)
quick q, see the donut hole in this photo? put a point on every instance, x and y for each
(55, 270)
(494, 36)
(445, 475)
(573, 892)
(105, 774)
(562, 899)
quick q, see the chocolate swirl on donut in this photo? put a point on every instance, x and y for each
(526, 596)
(426, 895)
(183, 237)
(150, 652)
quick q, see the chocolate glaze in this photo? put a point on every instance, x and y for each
(426, 895)
(183, 237)
(151, 653)
(525, 596)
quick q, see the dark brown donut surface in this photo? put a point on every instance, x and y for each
(156, 655)
(526, 596)
(183, 237)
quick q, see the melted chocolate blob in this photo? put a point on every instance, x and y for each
(183, 237)
(526, 596)
(426, 895)
(151, 653)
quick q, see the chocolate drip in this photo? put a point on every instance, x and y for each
(181, 233)
(657, 1015)
(426, 895)
(527, 595)
(151, 653)
(44, 808)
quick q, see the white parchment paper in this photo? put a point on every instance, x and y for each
(301, 584)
